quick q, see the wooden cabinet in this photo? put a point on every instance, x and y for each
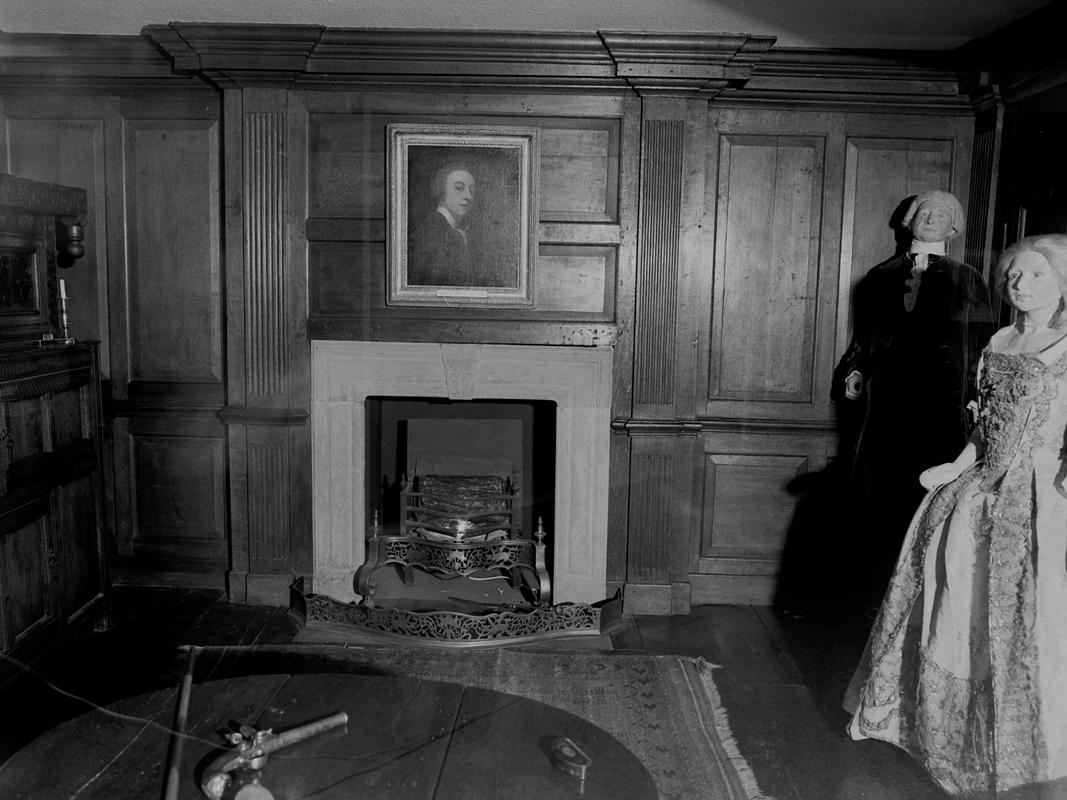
(52, 565)
(53, 577)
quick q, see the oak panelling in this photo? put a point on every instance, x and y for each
(576, 281)
(346, 165)
(348, 278)
(579, 171)
(748, 508)
(61, 140)
(179, 483)
(173, 241)
(657, 262)
(579, 235)
(899, 168)
(766, 277)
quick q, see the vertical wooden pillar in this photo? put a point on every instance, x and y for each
(675, 80)
(267, 410)
(661, 439)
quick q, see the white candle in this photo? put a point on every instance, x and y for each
(62, 289)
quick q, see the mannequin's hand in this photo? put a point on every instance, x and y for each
(854, 385)
(939, 475)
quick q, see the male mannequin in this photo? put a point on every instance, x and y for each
(921, 320)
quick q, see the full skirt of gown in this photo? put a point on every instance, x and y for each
(966, 665)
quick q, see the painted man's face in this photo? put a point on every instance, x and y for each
(459, 193)
(932, 222)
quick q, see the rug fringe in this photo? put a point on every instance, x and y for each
(726, 735)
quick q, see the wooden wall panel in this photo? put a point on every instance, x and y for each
(578, 280)
(748, 511)
(172, 207)
(345, 276)
(767, 268)
(179, 480)
(579, 171)
(747, 506)
(346, 175)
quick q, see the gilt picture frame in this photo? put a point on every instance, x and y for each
(462, 215)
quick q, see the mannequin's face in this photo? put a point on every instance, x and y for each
(1031, 283)
(932, 222)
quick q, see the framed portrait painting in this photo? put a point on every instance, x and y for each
(462, 215)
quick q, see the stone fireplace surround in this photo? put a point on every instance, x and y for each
(577, 379)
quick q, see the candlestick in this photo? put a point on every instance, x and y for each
(63, 320)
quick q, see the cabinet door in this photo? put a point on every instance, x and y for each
(26, 574)
(77, 545)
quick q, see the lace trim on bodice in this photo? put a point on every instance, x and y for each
(1009, 386)
(1016, 391)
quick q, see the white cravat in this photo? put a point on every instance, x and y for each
(920, 253)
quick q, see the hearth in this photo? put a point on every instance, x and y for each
(575, 381)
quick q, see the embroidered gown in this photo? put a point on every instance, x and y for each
(966, 666)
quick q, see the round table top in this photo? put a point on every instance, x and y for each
(405, 738)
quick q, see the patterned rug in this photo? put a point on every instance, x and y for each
(664, 709)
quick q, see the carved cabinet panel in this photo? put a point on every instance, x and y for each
(53, 576)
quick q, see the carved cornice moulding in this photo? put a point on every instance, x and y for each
(30, 62)
(295, 55)
(735, 67)
(910, 80)
(685, 64)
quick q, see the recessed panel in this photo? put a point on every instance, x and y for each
(346, 166)
(748, 508)
(579, 172)
(767, 270)
(175, 280)
(180, 487)
(575, 279)
(346, 277)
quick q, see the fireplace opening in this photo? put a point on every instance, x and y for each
(413, 437)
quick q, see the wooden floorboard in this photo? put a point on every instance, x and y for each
(780, 677)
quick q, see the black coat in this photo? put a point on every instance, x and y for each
(919, 367)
